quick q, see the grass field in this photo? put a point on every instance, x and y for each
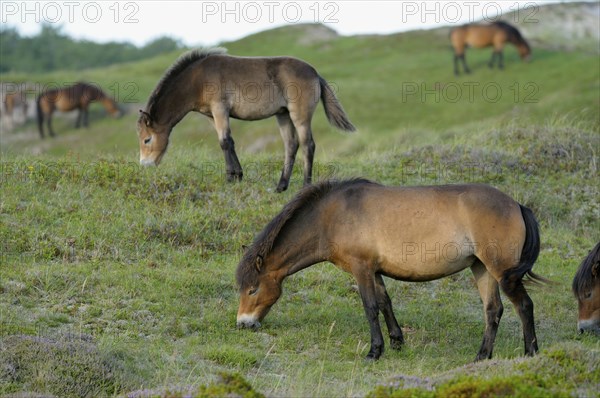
(118, 279)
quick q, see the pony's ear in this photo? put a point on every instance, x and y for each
(596, 270)
(145, 118)
(258, 263)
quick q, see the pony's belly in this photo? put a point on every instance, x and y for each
(425, 269)
(256, 109)
(424, 260)
(64, 104)
(255, 114)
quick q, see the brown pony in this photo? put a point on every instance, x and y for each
(222, 87)
(14, 100)
(496, 34)
(79, 96)
(586, 287)
(412, 234)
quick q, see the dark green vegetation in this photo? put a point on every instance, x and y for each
(137, 265)
(52, 50)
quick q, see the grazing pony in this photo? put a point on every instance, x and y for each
(220, 87)
(414, 234)
(79, 96)
(586, 287)
(496, 34)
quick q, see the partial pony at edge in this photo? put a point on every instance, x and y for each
(333, 109)
(39, 114)
(530, 251)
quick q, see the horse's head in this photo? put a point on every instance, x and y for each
(524, 51)
(153, 139)
(259, 289)
(589, 303)
(111, 106)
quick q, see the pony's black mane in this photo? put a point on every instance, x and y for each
(174, 70)
(514, 36)
(584, 280)
(263, 243)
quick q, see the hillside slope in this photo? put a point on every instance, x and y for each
(119, 280)
(398, 90)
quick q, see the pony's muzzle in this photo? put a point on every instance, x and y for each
(147, 162)
(247, 322)
(589, 325)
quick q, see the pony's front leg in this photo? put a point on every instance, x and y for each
(85, 117)
(221, 122)
(385, 305)
(49, 125)
(366, 288)
(79, 117)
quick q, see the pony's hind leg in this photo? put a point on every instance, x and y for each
(290, 143)
(308, 148)
(385, 305)
(492, 60)
(512, 286)
(492, 308)
(464, 61)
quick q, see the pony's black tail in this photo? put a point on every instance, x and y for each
(40, 115)
(530, 251)
(333, 109)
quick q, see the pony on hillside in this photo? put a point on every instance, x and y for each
(496, 34)
(79, 96)
(221, 87)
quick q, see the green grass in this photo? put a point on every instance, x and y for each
(142, 261)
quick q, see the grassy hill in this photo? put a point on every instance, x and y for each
(125, 275)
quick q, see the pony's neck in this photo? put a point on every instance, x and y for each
(301, 244)
(176, 101)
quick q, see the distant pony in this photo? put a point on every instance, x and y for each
(79, 96)
(586, 287)
(496, 34)
(12, 101)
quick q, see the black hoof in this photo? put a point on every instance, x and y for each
(233, 177)
(396, 344)
(282, 186)
(374, 354)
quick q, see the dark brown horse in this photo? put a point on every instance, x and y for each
(407, 233)
(586, 287)
(222, 87)
(496, 34)
(79, 96)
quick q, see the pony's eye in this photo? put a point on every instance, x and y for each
(588, 295)
(252, 291)
(147, 140)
